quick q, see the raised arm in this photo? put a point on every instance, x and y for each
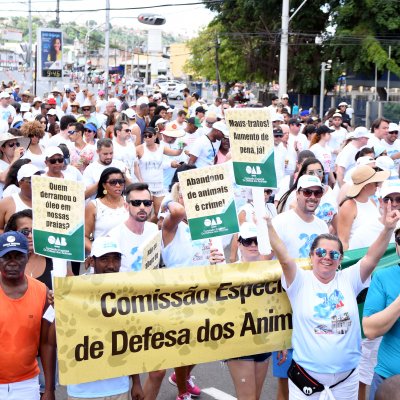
(288, 264)
(377, 249)
(170, 224)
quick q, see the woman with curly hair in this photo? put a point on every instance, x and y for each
(34, 130)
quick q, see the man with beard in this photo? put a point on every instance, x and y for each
(136, 230)
(91, 174)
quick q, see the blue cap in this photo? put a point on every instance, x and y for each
(90, 126)
(304, 113)
(13, 241)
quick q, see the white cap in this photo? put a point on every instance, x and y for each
(129, 113)
(248, 230)
(37, 100)
(28, 116)
(52, 151)
(393, 127)
(221, 126)
(365, 160)
(285, 96)
(360, 132)
(337, 115)
(343, 103)
(27, 170)
(132, 103)
(4, 95)
(161, 121)
(390, 186)
(142, 100)
(52, 111)
(385, 163)
(104, 245)
(277, 117)
(307, 181)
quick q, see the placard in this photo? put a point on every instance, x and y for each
(152, 252)
(252, 146)
(58, 207)
(209, 202)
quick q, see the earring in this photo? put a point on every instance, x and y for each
(105, 191)
(339, 268)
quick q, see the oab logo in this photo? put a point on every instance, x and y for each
(212, 221)
(253, 170)
(10, 239)
(307, 390)
(57, 241)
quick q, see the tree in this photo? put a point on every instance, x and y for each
(252, 28)
(364, 30)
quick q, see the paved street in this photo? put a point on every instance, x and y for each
(213, 378)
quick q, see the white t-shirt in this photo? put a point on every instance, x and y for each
(391, 150)
(323, 154)
(337, 138)
(326, 328)
(346, 158)
(132, 245)
(299, 237)
(5, 113)
(126, 154)
(92, 172)
(374, 141)
(302, 144)
(205, 151)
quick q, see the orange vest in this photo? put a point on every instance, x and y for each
(20, 324)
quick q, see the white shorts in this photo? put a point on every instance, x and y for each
(347, 390)
(28, 389)
(369, 359)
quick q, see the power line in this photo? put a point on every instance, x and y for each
(125, 8)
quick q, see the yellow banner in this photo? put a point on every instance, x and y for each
(112, 325)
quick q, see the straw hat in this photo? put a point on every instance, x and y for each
(24, 141)
(172, 130)
(85, 104)
(363, 175)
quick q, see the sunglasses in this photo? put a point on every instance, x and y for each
(56, 160)
(88, 130)
(209, 123)
(308, 193)
(11, 145)
(333, 254)
(115, 182)
(137, 203)
(85, 109)
(128, 130)
(32, 135)
(71, 132)
(280, 136)
(26, 231)
(392, 199)
(148, 136)
(27, 180)
(317, 172)
(249, 241)
(394, 133)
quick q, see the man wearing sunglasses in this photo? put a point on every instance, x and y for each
(63, 136)
(91, 174)
(124, 148)
(298, 228)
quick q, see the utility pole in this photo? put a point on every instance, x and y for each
(107, 48)
(388, 78)
(58, 14)
(324, 67)
(217, 43)
(29, 55)
(283, 60)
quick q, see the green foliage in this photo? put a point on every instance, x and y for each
(251, 30)
(364, 29)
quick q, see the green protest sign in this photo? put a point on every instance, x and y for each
(252, 146)
(208, 197)
(58, 218)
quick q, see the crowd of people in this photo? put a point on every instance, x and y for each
(338, 189)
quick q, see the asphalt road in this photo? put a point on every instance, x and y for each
(214, 380)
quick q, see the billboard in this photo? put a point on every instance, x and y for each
(50, 53)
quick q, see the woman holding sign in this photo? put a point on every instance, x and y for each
(248, 372)
(326, 330)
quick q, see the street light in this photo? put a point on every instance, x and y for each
(325, 66)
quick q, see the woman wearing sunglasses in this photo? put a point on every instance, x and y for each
(35, 132)
(327, 209)
(150, 155)
(107, 210)
(326, 335)
(251, 369)
(358, 208)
